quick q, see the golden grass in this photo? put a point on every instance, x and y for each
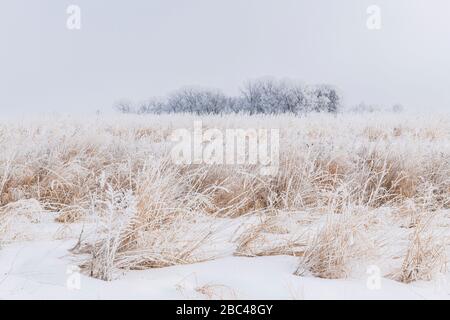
(152, 213)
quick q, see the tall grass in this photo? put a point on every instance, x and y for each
(149, 212)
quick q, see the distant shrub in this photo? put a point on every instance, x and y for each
(261, 96)
(197, 101)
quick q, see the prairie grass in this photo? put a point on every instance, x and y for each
(335, 172)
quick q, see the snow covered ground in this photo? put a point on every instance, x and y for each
(44, 268)
(368, 206)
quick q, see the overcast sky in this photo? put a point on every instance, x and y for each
(140, 48)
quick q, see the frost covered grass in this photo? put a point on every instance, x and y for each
(351, 190)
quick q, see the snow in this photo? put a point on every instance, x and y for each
(44, 270)
(41, 266)
(35, 257)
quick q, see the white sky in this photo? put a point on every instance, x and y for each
(139, 48)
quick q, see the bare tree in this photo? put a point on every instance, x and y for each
(271, 96)
(124, 106)
(199, 101)
(266, 95)
(324, 98)
(153, 105)
(397, 108)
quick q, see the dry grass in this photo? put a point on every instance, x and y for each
(14, 215)
(216, 292)
(3, 228)
(425, 256)
(339, 241)
(268, 238)
(153, 228)
(149, 212)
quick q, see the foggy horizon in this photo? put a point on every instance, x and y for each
(140, 49)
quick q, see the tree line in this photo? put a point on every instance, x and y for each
(261, 96)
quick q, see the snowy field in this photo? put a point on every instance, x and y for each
(43, 269)
(359, 208)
